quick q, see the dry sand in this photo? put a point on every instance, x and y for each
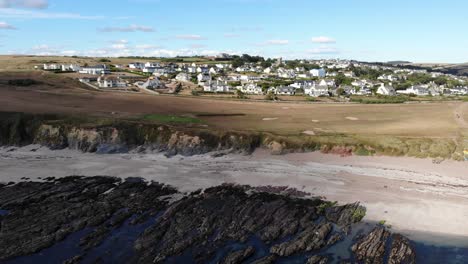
(415, 196)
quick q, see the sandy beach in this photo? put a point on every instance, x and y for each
(423, 200)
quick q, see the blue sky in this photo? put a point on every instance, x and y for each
(416, 30)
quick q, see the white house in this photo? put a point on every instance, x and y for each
(349, 74)
(191, 69)
(203, 77)
(183, 77)
(252, 88)
(288, 74)
(71, 67)
(315, 90)
(216, 86)
(203, 70)
(286, 90)
(459, 91)
(416, 90)
(363, 90)
(151, 64)
(213, 70)
(136, 65)
(51, 67)
(386, 90)
(109, 82)
(95, 70)
(152, 83)
(302, 84)
(250, 78)
(318, 73)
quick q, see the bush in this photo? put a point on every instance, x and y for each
(359, 214)
(271, 96)
(195, 93)
(381, 99)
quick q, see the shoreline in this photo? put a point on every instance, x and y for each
(420, 199)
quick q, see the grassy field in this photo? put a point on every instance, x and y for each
(171, 119)
(395, 128)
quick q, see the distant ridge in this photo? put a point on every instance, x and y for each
(399, 62)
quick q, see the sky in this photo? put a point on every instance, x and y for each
(367, 30)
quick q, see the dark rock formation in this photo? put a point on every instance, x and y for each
(239, 256)
(371, 249)
(401, 251)
(224, 224)
(42, 214)
(317, 260)
(312, 238)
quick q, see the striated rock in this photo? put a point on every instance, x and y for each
(401, 251)
(239, 256)
(317, 260)
(312, 238)
(163, 225)
(346, 214)
(371, 249)
(270, 259)
(42, 214)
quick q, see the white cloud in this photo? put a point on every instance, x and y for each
(274, 42)
(323, 50)
(5, 25)
(120, 41)
(131, 28)
(323, 39)
(31, 14)
(190, 37)
(197, 46)
(119, 46)
(24, 3)
(147, 46)
(231, 35)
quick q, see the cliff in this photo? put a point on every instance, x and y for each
(103, 135)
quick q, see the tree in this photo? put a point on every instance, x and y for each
(178, 88)
(341, 79)
(266, 64)
(271, 96)
(237, 62)
(340, 92)
(240, 95)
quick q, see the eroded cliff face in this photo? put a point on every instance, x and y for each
(120, 136)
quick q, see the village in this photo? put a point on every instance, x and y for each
(248, 76)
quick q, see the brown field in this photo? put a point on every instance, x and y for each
(58, 94)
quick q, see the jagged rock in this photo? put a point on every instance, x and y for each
(345, 215)
(200, 224)
(401, 251)
(270, 259)
(239, 256)
(228, 213)
(42, 214)
(317, 260)
(371, 249)
(312, 238)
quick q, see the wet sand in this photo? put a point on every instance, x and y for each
(423, 200)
